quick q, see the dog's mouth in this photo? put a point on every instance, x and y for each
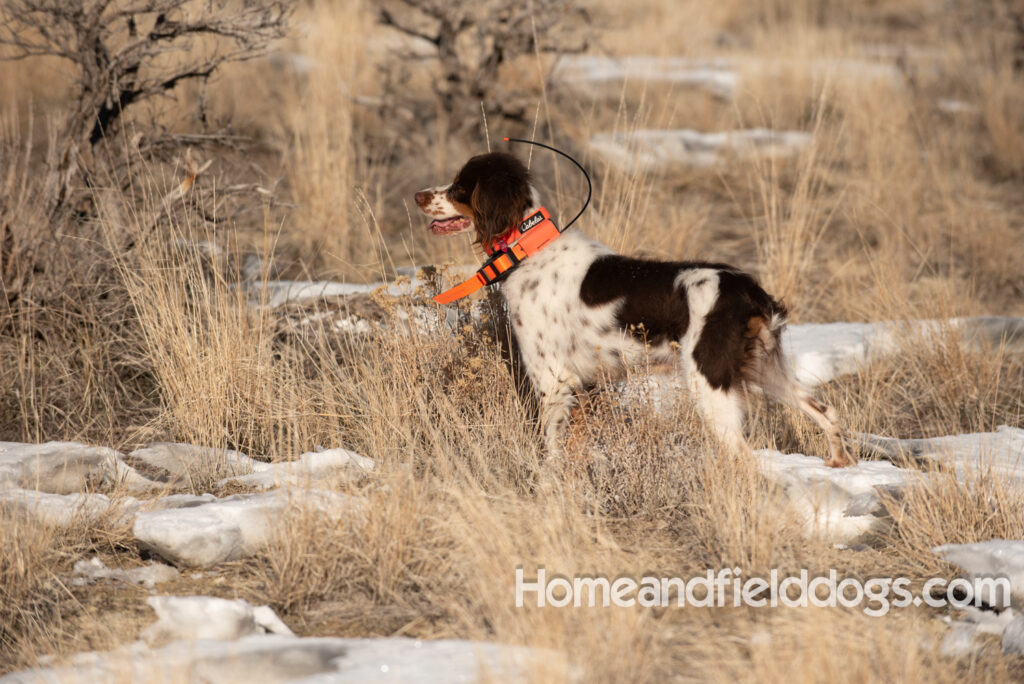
(448, 226)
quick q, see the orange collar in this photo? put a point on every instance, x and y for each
(535, 232)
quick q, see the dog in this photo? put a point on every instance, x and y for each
(579, 310)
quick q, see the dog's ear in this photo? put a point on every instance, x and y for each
(499, 203)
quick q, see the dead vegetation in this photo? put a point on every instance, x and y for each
(899, 210)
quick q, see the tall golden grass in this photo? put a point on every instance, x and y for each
(897, 210)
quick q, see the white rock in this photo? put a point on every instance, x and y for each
(277, 658)
(320, 467)
(657, 149)
(89, 571)
(64, 467)
(228, 528)
(838, 504)
(206, 617)
(996, 558)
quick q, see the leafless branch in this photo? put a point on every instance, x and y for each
(115, 46)
(472, 42)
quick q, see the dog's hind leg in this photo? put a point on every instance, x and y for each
(724, 411)
(777, 380)
(767, 368)
(791, 392)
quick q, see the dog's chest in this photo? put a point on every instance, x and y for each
(552, 324)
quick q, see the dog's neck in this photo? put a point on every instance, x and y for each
(504, 238)
(505, 253)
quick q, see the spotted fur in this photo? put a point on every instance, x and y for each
(580, 311)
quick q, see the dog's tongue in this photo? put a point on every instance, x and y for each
(446, 226)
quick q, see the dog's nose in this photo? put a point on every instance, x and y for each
(422, 197)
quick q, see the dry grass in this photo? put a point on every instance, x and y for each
(38, 608)
(898, 210)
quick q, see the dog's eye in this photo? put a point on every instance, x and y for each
(457, 193)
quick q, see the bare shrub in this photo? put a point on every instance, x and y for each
(472, 42)
(66, 208)
(125, 54)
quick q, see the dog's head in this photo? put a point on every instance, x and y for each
(490, 195)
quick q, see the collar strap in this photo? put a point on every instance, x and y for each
(506, 252)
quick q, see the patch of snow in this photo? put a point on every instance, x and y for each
(413, 661)
(993, 558)
(178, 501)
(717, 76)
(1013, 637)
(989, 621)
(181, 461)
(840, 504)
(722, 77)
(999, 454)
(62, 510)
(951, 106)
(291, 62)
(344, 323)
(89, 571)
(993, 331)
(65, 467)
(275, 658)
(229, 528)
(656, 149)
(275, 293)
(206, 617)
(820, 352)
(659, 389)
(315, 466)
(960, 641)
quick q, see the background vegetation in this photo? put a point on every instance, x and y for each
(153, 176)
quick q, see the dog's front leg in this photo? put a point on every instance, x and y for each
(556, 395)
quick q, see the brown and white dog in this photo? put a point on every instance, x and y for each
(579, 310)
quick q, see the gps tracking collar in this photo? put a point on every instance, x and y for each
(520, 242)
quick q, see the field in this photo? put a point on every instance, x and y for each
(131, 314)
